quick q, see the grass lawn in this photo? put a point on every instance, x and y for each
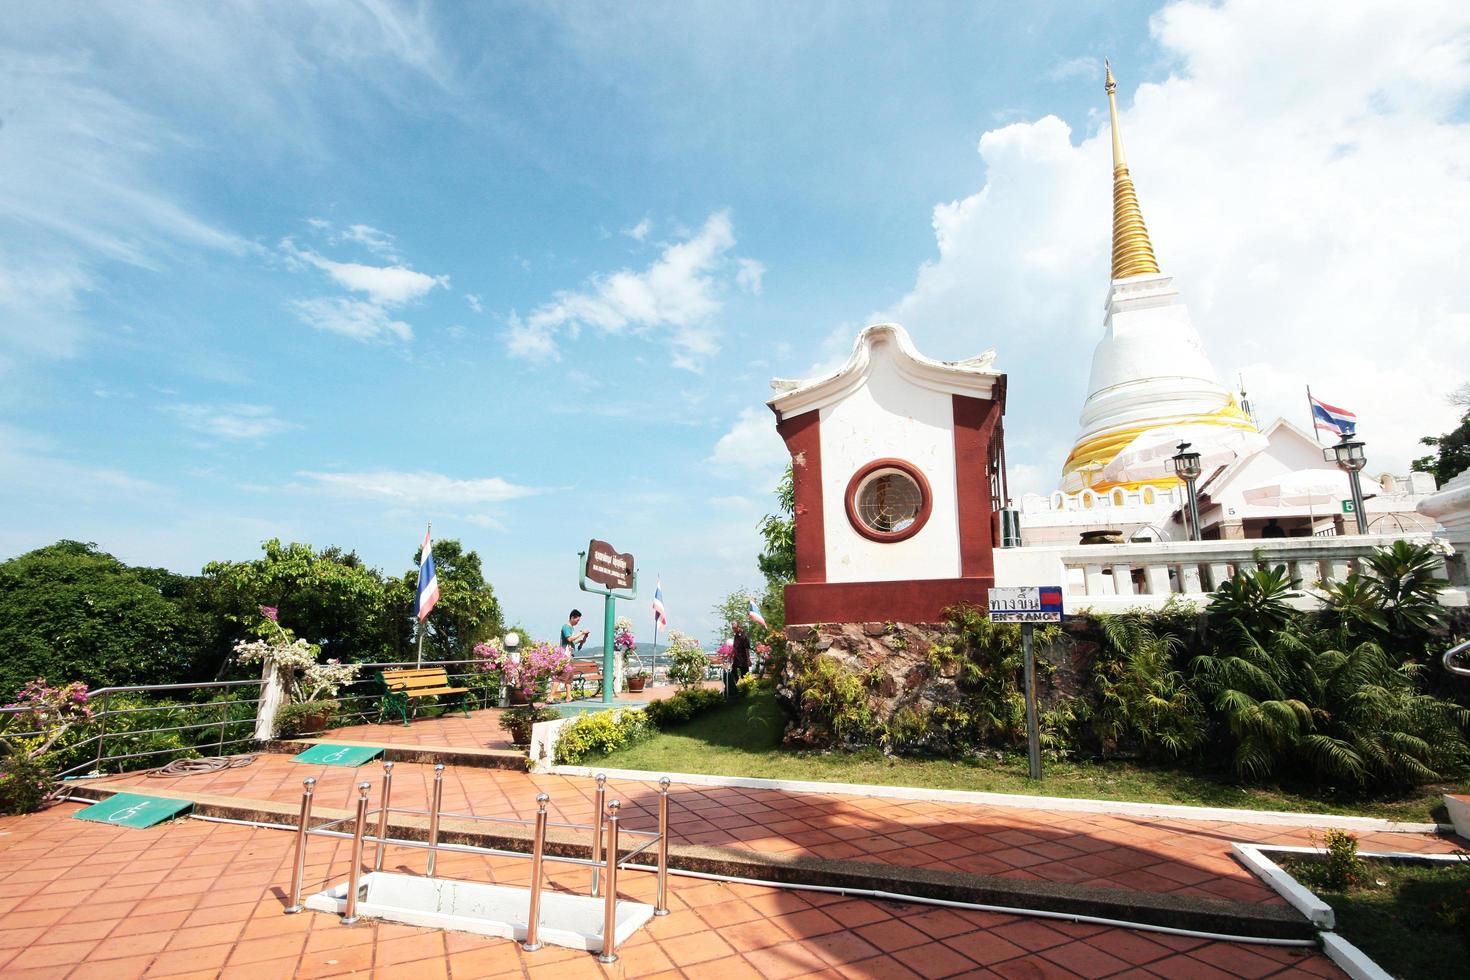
(743, 739)
(1401, 915)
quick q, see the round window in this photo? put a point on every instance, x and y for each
(888, 500)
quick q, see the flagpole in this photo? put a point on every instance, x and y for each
(419, 661)
(1312, 415)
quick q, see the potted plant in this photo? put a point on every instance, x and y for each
(530, 677)
(486, 675)
(312, 686)
(637, 679)
(687, 662)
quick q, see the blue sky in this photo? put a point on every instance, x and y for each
(326, 271)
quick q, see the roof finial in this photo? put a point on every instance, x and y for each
(1133, 253)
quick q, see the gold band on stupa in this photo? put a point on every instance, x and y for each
(1133, 253)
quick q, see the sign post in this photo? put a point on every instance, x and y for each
(1028, 605)
(604, 565)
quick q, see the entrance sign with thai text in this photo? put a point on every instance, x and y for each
(1026, 604)
(607, 566)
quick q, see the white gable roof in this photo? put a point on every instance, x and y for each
(974, 376)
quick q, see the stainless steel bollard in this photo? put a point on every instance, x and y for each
(609, 952)
(354, 876)
(538, 848)
(298, 870)
(599, 802)
(434, 807)
(661, 903)
(383, 815)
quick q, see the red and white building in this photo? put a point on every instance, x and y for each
(899, 470)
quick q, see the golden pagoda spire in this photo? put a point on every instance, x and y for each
(1133, 254)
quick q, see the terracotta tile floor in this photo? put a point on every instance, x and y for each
(198, 899)
(481, 730)
(1182, 857)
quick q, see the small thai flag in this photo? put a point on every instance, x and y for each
(658, 604)
(755, 614)
(1329, 418)
(428, 581)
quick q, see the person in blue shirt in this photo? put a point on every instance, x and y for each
(570, 635)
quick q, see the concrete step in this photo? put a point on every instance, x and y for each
(449, 755)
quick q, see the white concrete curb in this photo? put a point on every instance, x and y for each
(1157, 811)
(1350, 959)
(1318, 912)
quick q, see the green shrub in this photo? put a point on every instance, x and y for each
(601, 734)
(749, 684)
(836, 701)
(1141, 699)
(684, 705)
(1341, 867)
(24, 784)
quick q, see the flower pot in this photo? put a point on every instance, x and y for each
(516, 696)
(635, 684)
(520, 735)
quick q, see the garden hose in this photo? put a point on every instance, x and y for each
(195, 767)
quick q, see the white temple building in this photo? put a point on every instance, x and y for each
(1151, 388)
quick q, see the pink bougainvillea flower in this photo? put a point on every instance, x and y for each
(271, 613)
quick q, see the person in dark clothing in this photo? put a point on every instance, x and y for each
(739, 658)
(1273, 530)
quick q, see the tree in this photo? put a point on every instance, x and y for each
(777, 560)
(467, 612)
(329, 598)
(734, 608)
(1453, 455)
(71, 612)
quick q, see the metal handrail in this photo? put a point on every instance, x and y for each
(1450, 655)
(615, 859)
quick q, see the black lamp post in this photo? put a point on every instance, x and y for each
(1187, 468)
(1348, 455)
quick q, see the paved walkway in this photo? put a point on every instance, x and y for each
(198, 899)
(1162, 856)
(481, 730)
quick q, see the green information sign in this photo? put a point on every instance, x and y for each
(1348, 508)
(132, 810)
(328, 754)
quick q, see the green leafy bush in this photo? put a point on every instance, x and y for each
(594, 735)
(1319, 701)
(835, 701)
(1140, 698)
(24, 784)
(667, 712)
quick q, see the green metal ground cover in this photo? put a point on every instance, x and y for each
(132, 810)
(328, 754)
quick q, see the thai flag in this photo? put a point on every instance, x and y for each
(658, 604)
(755, 614)
(428, 581)
(1329, 418)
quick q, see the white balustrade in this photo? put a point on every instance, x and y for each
(1112, 577)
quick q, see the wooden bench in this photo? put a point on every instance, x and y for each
(403, 688)
(583, 672)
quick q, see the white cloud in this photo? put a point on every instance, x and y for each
(379, 242)
(351, 318)
(680, 292)
(639, 232)
(474, 302)
(1302, 172)
(420, 488)
(31, 462)
(241, 422)
(391, 285)
(751, 450)
(750, 275)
